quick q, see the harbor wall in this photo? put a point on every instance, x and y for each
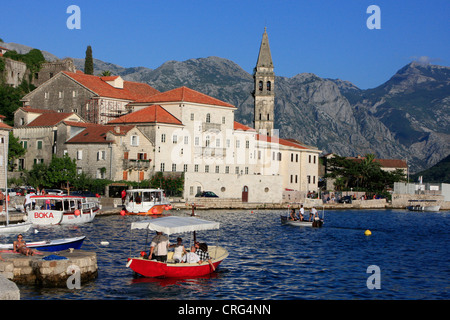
(34, 270)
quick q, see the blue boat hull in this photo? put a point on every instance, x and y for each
(52, 247)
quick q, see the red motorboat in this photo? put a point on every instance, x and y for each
(172, 225)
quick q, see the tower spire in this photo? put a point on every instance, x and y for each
(264, 57)
(264, 93)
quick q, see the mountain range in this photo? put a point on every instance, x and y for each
(407, 117)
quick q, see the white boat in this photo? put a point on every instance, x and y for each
(53, 210)
(19, 227)
(316, 222)
(423, 205)
(146, 202)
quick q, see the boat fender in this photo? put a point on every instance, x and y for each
(129, 263)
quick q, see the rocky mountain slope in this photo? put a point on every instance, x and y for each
(407, 117)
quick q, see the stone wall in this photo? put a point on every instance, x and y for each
(33, 270)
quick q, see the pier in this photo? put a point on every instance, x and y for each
(49, 269)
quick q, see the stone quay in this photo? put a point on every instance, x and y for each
(49, 269)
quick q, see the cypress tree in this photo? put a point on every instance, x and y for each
(89, 61)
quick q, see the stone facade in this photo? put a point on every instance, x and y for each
(14, 72)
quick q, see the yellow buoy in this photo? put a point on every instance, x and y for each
(368, 232)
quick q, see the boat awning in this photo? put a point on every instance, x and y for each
(172, 224)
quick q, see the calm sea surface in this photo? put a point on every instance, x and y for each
(277, 262)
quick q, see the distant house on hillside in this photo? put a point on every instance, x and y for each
(95, 99)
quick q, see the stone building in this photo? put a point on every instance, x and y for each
(95, 99)
(112, 152)
(37, 130)
(49, 69)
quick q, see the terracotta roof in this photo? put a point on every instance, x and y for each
(280, 141)
(98, 134)
(49, 119)
(36, 110)
(131, 90)
(184, 94)
(4, 126)
(385, 163)
(153, 113)
(240, 126)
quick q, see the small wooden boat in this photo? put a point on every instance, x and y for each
(316, 223)
(170, 225)
(146, 202)
(53, 210)
(51, 245)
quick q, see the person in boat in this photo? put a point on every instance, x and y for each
(191, 256)
(292, 215)
(202, 251)
(20, 246)
(301, 213)
(179, 250)
(313, 214)
(158, 246)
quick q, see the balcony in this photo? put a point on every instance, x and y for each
(207, 126)
(135, 164)
(210, 152)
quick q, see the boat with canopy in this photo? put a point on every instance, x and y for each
(146, 202)
(173, 225)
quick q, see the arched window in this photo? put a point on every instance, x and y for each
(260, 86)
(208, 118)
(260, 116)
(268, 117)
(269, 86)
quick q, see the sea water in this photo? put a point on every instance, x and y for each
(271, 261)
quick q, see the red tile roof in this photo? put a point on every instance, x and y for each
(4, 126)
(131, 90)
(184, 94)
(240, 126)
(98, 134)
(153, 113)
(36, 110)
(280, 141)
(49, 119)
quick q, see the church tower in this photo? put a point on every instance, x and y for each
(264, 94)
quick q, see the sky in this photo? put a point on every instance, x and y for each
(326, 37)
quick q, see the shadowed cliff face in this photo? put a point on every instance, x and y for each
(407, 117)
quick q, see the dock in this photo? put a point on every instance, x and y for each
(49, 269)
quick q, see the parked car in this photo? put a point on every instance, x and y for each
(207, 194)
(57, 192)
(345, 199)
(85, 193)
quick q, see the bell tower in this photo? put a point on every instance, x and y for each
(264, 85)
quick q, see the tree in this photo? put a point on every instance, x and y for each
(89, 61)
(15, 150)
(105, 73)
